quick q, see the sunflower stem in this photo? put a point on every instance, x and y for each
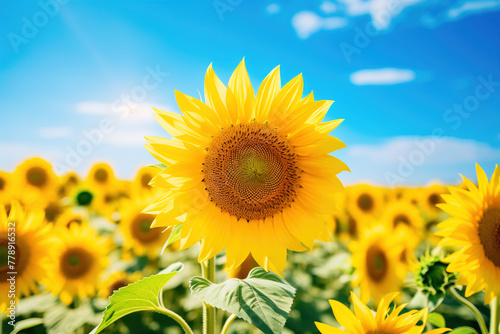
(495, 315)
(177, 318)
(209, 312)
(228, 322)
(464, 301)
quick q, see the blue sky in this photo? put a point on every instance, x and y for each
(417, 81)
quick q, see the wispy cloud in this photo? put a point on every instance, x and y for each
(382, 76)
(55, 132)
(273, 8)
(328, 7)
(307, 23)
(472, 7)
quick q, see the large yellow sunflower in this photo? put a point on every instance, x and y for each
(78, 260)
(385, 321)
(251, 174)
(474, 226)
(24, 244)
(376, 258)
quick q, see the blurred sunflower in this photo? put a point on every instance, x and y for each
(364, 201)
(78, 260)
(6, 188)
(429, 198)
(36, 182)
(404, 213)
(101, 177)
(53, 210)
(139, 236)
(376, 258)
(384, 321)
(140, 186)
(474, 226)
(31, 244)
(115, 281)
(249, 174)
(69, 182)
(69, 217)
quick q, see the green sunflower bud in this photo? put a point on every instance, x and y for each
(431, 276)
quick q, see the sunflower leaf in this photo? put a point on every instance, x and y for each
(142, 295)
(26, 323)
(436, 319)
(464, 330)
(263, 299)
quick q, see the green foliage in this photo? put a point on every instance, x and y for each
(27, 323)
(464, 330)
(143, 295)
(263, 298)
(437, 320)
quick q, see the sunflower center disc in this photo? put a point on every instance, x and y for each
(145, 179)
(401, 219)
(365, 202)
(75, 263)
(434, 199)
(142, 231)
(36, 176)
(2, 183)
(101, 175)
(489, 234)
(376, 263)
(251, 171)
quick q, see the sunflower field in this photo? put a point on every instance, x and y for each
(244, 226)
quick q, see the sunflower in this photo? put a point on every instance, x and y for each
(474, 227)
(69, 182)
(78, 260)
(28, 235)
(139, 236)
(376, 258)
(140, 186)
(251, 174)
(69, 217)
(429, 198)
(404, 213)
(384, 321)
(36, 182)
(101, 177)
(6, 188)
(115, 281)
(364, 201)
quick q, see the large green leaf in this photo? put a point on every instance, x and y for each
(263, 298)
(437, 320)
(26, 323)
(143, 295)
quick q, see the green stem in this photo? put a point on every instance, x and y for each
(495, 315)
(228, 322)
(209, 312)
(477, 314)
(177, 319)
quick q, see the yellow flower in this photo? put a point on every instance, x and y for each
(78, 260)
(138, 236)
(6, 188)
(251, 174)
(364, 201)
(474, 227)
(101, 177)
(140, 186)
(429, 198)
(384, 321)
(35, 182)
(25, 243)
(70, 217)
(115, 281)
(376, 258)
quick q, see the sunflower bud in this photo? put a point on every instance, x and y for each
(431, 275)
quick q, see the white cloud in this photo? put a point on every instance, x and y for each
(382, 76)
(134, 112)
(416, 160)
(444, 150)
(307, 23)
(471, 7)
(55, 132)
(328, 7)
(273, 8)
